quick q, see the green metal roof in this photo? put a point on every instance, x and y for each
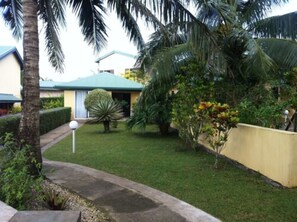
(7, 50)
(48, 85)
(103, 80)
(115, 52)
(8, 98)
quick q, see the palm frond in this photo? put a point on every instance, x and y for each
(128, 21)
(167, 62)
(253, 11)
(284, 26)
(283, 52)
(91, 21)
(162, 38)
(244, 56)
(52, 13)
(14, 17)
(213, 13)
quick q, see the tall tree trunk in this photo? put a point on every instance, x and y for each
(29, 126)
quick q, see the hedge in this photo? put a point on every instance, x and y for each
(49, 120)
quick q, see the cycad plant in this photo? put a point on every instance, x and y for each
(105, 111)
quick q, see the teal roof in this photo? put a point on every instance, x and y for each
(7, 50)
(103, 80)
(115, 52)
(8, 98)
(48, 85)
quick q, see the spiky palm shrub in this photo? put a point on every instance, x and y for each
(105, 111)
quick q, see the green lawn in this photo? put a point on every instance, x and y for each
(230, 194)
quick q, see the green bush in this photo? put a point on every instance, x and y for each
(15, 109)
(53, 118)
(9, 124)
(95, 96)
(54, 200)
(51, 102)
(49, 120)
(17, 187)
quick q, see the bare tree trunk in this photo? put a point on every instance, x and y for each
(29, 126)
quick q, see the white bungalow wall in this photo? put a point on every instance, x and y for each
(116, 62)
(10, 76)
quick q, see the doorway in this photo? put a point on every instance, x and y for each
(125, 99)
(80, 110)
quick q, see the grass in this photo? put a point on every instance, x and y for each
(230, 194)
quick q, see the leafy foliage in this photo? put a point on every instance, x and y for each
(54, 200)
(192, 87)
(15, 109)
(105, 111)
(17, 187)
(152, 108)
(52, 102)
(216, 120)
(137, 76)
(95, 96)
(49, 120)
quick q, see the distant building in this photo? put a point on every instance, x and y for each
(116, 62)
(11, 64)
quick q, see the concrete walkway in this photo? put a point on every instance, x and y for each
(125, 200)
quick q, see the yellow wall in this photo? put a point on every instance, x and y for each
(69, 101)
(134, 97)
(10, 76)
(271, 152)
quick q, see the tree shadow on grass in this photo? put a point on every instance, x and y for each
(155, 135)
(101, 132)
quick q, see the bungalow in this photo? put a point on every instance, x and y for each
(11, 64)
(120, 88)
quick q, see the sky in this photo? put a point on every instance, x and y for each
(80, 58)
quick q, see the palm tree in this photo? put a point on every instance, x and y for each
(234, 38)
(22, 17)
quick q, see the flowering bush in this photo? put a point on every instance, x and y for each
(216, 120)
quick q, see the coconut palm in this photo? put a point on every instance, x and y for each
(22, 17)
(234, 38)
(105, 111)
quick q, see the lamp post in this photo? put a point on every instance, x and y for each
(73, 125)
(286, 113)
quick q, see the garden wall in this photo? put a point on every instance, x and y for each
(271, 152)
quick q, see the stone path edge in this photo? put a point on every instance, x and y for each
(189, 212)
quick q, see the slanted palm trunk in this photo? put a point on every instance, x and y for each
(29, 126)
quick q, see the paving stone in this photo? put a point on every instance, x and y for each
(46, 216)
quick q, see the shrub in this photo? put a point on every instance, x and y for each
(153, 108)
(9, 124)
(192, 87)
(15, 109)
(94, 96)
(53, 118)
(51, 102)
(216, 121)
(49, 120)
(16, 184)
(54, 200)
